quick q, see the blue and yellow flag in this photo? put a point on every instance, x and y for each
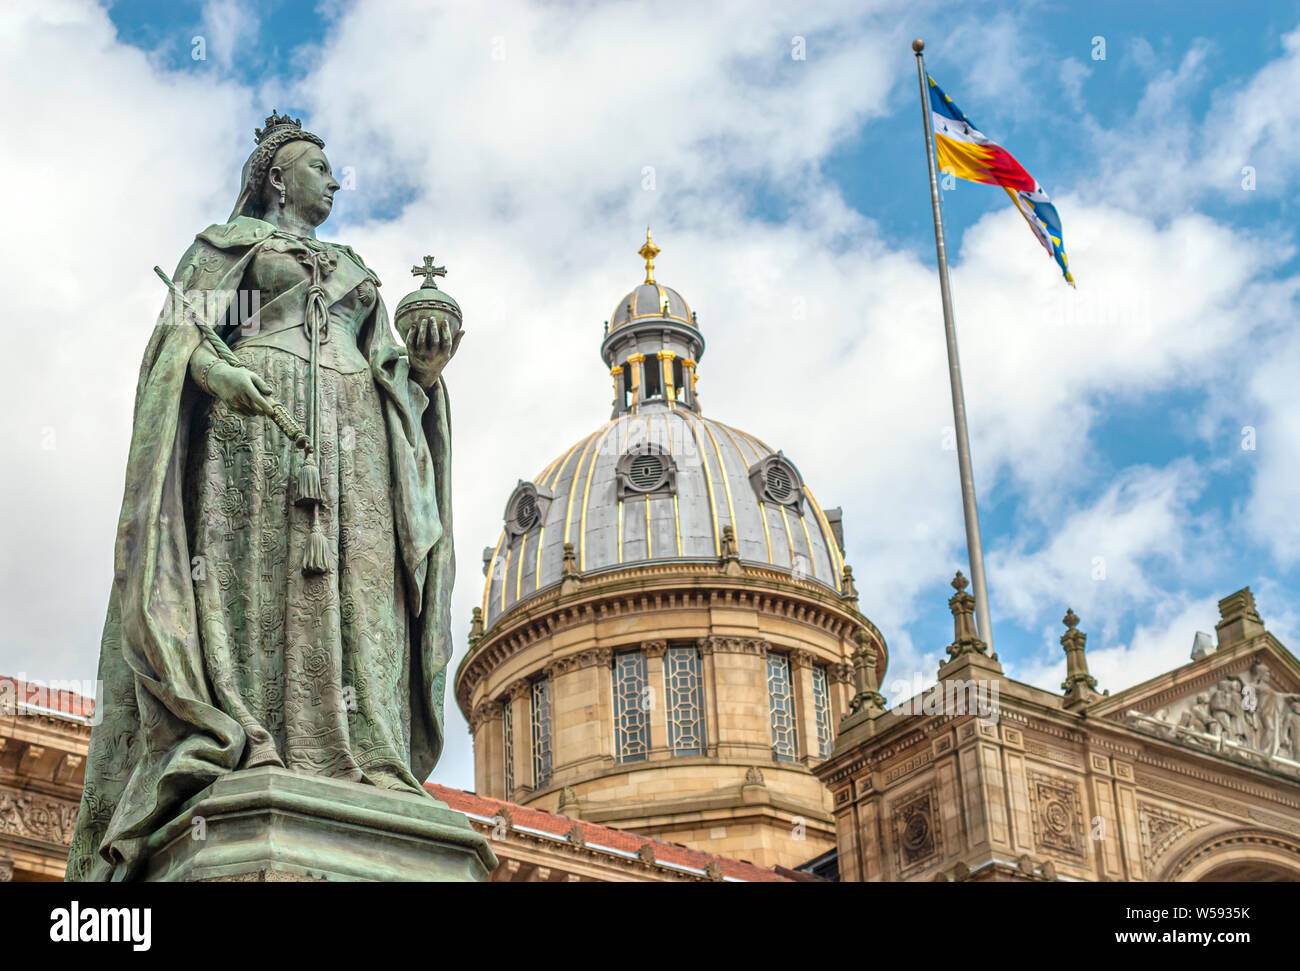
(968, 154)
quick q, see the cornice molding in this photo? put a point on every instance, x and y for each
(659, 588)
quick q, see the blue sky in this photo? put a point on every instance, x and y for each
(1107, 423)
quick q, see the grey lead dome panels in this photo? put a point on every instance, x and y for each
(647, 301)
(713, 489)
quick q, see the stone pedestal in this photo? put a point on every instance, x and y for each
(269, 824)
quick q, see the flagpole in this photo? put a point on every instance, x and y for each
(973, 544)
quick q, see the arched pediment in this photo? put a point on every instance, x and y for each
(1231, 853)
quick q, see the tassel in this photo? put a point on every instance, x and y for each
(309, 488)
(317, 561)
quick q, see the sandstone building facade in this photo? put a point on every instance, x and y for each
(1194, 775)
(44, 733)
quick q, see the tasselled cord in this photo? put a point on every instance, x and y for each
(310, 492)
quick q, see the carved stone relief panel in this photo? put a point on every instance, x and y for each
(1057, 815)
(37, 817)
(1245, 715)
(1161, 827)
(918, 835)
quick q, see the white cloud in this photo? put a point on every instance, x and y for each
(1073, 74)
(1164, 158)
(1097, 559)
(1269, 447)
(1252, 125)
(995, 46)
(228, 26)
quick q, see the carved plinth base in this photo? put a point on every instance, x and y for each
(271, 825)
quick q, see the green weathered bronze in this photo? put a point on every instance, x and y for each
(274, 605)
(269, 824)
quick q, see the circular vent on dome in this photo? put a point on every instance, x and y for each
(779, 485)
(644, 472)
(526, 511)
(776, 480)
(526, 508)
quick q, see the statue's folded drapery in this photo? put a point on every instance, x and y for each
(169, 727)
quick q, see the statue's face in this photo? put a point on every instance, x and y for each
(309, 186)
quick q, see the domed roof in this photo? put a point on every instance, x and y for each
(651, 301)
(661, 484)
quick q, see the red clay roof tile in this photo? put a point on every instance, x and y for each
(604, 836)
(38, 695)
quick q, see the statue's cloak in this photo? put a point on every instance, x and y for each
(162, 739)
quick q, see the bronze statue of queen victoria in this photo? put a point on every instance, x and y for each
(274, 602)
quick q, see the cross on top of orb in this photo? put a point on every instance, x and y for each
(429, 272)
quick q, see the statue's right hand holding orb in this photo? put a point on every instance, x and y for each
(431, 342)
(242, 391)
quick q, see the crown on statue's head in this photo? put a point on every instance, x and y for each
(275, 121)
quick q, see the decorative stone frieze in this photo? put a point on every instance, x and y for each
(716, 644)
(37, 817)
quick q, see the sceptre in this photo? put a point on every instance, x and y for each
(279, 414)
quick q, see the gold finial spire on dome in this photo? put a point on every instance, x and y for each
(648, 252)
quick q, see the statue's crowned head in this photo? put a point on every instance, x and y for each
(287, 169)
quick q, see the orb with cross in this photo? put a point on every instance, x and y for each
(428, 301)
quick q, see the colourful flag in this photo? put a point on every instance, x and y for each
(967, 153)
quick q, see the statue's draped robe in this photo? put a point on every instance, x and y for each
(164, 735)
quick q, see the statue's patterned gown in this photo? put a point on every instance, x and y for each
(314, 668)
